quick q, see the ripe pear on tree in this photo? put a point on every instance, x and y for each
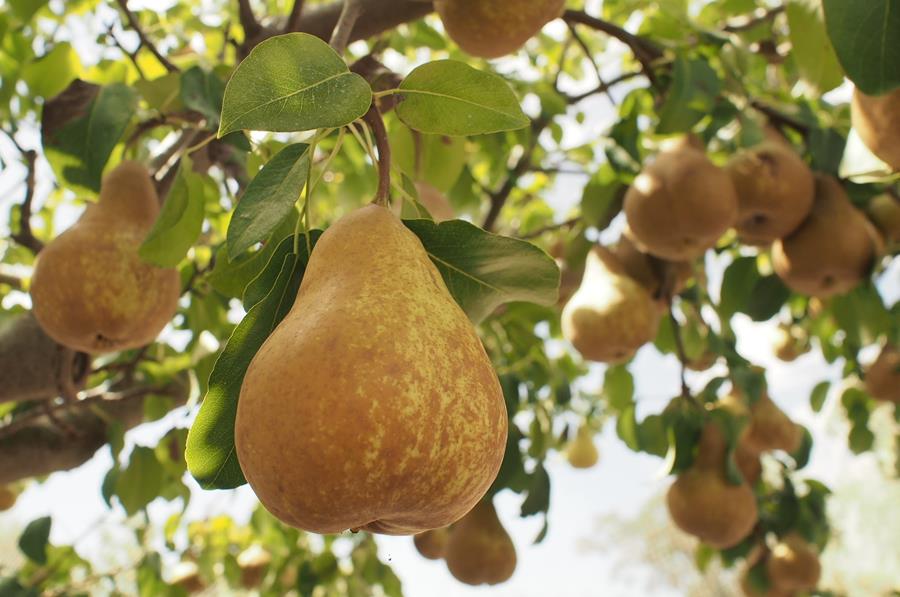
(771, 429)
(582, 451)
(877, 120)
(253, 563)
(479, 550)
(884, 211)
(7, 498)
(749, 587)
(495, 29)
(186, 575)
(775, 190)
(883, 376)
(373, 404)
(704, 503)
(432, 544)
(681, 203)
(791, 343)
(659, 276)
(793, 565)
(611, 315)
(833, 250)
(91, 291)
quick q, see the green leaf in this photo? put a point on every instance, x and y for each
(269, 198)
(861, 438)
(538, 499)
(141, 482)
(811, 48)
(602, 198)
(818, 396)
(203, 91)
(78, 142)
(435, 159)
(293, 82)
(34, 539)
(692, 95)
(766, 299)
(51, 73)
(864, 34)
(627, 428)
(618, 387)
(448, 97)
(180, 222)
(484, 270)
(738, 282)
(210, 450)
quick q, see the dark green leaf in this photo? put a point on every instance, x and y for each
(694, 89)
(140, 483)
(538, 499)
(180, 222)
(34, 539)
(767, 298)
(202, 91)
(818, 396)
(738, 282)
(864, 34)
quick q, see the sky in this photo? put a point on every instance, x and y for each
(568, 562)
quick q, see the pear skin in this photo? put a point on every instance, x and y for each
(702, 502)
(611, 315)
(582, 453)
(793, 565)
(186, 575)
(792, 343)
(771, 429)
(480, 550)
(432, 544)
(884, 211)
(253, 563)
(91, 291)
(883, 376)
(775, 190)
(749, 590)
(832, 251)
(7, 498)
(373, 404)
(658, 276)
(877, 120)
(680, 204)
(495, 29)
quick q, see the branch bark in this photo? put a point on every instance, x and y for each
(145, 41)
(25, 236)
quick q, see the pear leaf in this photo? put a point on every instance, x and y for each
(484, 270)
(34, 539)
(293, 82)
(692, 96)
(202, 92)
(447, 97)
(210, 452)
(269, 198)
(180, 222)
(812, 50)
(864, 35)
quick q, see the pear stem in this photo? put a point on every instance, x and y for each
(376, 123)
(682, 354)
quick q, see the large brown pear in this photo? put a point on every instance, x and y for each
(611, 315)
(794, 565)
(877, 120)
(884, 211)
(775, 190)
(658, 276)
(432, 544)
(480, 550)
(832, 251)
(495, 29)
(373, 404)
(680, 204)
(8, 498)
(702, 501)
(770, 428)
(883, 376)
(91, 291)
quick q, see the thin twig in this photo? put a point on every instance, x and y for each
(11, 281)
(293, 22)
(145, 41)
(551, 228)
(376, 123)
(749, 22)
(25, 236)
(780, 119)
(132, 56)
(340, 37)
(587, 54)
(679, 347)
(603, 87)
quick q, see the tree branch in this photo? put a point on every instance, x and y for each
(340, 37)
(293, 22)
(248, 20)
(25, 236)
(145, 41)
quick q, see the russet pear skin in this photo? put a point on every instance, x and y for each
(611, 315)
(770, 428)
(491, 29)
(702, 502)
(680, 204)
(479, 550)
(91, 291)
(775, 191)
(793, 565)
(884, 211)
(883, 376)
(373, 404)
(432, 544)
(877, 120)
(833, 249)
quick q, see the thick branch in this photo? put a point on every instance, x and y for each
(248, 20)
(145, 41)
(293, 22)
(43, 447)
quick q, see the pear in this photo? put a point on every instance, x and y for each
(373, 404)
(884, 211)
(253, 563)
(495, 29)
(7, 498)
(186, 575)
(771, 429)
(792, 342)
(775, 190)
(570, 277)
(432, 544)
(91, 291)
(747, 586)
(611, 315)
(703, 503)
(832, 251)
(793, 565)
(883, 376)
(877, 120)
(480, 550)
(680, 204)
(658, 276)
(582, 452)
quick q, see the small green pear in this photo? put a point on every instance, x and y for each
(373, 404)
(480, 550)
(611, 315)
(582, 451)
(884, 211)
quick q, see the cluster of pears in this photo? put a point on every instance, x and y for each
(477, 549)
(91, 291)
(877, 120)
(495, 29)
(373, 404)
(582, 452)
(790, 568)
(883, 376)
